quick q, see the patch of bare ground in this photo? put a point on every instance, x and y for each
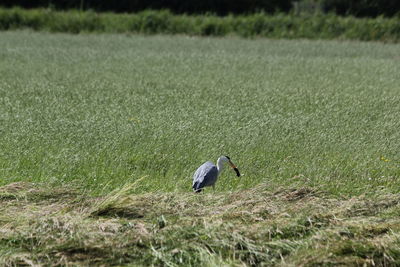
(43, 226)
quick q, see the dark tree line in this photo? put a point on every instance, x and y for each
(362, 8)
(220, 7)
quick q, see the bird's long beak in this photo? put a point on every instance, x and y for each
(234, 168)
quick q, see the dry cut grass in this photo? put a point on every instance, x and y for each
(43, 226)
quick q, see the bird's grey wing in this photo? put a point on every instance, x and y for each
(205, 175)
(202, 171)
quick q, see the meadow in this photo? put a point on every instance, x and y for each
(84, 119)
(104, 110)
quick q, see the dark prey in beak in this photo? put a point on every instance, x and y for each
(237, 172)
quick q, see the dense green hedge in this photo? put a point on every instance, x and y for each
(151, 22)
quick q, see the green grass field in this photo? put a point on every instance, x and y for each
(312, 125)
(105, 110)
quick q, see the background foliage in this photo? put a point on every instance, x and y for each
(288, 26)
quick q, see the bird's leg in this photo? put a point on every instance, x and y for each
(213, 186)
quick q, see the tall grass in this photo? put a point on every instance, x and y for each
(290, 26)
(105, 110)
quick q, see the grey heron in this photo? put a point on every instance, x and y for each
(207, 174)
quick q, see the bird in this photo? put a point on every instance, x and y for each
(207, 174)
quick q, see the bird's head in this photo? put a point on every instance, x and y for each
(228, 159)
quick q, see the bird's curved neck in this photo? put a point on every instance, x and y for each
(220, 165)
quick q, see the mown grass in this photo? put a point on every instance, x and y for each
(47, 226)
(100, 111)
